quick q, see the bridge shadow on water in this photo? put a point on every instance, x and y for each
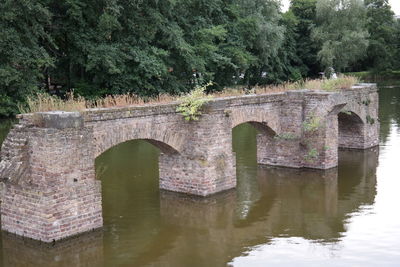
(146, 226)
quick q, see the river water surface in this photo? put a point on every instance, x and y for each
(347, 216)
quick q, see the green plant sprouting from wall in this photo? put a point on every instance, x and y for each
(312, 124)
(191, 104)
(285, 136)
(370, 120)
(366, 102)
(347, 112)
(312, 154)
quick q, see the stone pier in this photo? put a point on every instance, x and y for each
(47, 160)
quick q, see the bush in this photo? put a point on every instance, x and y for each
(191, 104)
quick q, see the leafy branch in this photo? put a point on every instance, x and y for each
(191, 104)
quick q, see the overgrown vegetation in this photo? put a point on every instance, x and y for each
(312, 155)
(343, 82)
(312, 124)
(44, 102)
(370, 120)
(191, 104)
(286, 136)
(149, 49)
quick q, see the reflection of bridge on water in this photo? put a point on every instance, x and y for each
(280, 202)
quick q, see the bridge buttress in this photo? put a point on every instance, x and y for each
(206, 165)
(59, 197)
(283, 149)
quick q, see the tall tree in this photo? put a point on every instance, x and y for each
(306, 49)
(99, 47)
(341, 30)
(396, 63)
(23, 50)
(382, 41)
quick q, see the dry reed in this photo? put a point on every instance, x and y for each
(45, 102)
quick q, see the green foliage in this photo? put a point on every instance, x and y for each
(24, 45)
(147, 48)
(150, 48)
(5, 126)
(370, 120)
(312, 124)
(304, 12)
(381, 52)
(341, 31)
(191, 104)
(366, 102)
(312, 154)
(285, 136)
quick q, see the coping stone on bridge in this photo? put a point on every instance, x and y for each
(61, 119)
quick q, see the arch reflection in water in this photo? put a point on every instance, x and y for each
(357, 178)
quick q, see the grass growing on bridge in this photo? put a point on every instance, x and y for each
(341, 83)
(44, 102)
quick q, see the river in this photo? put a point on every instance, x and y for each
(347, 216)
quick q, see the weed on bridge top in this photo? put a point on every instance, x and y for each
(42, 102)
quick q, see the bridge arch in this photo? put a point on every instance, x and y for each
(254, 142)
(351, 130)
(163, 147)
(263, 128)
(169, 142)
(261, 118)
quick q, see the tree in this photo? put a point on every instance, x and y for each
(397, 46)
(256, 37)
(23, 50)
(382, 29)
(341, 31)
(100, 47)
(306, 49)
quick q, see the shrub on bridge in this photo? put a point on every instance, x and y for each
(191, 104)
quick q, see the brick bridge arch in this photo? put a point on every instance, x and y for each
(357, 119)
(169, 142)
(351, 130)
(262, 118)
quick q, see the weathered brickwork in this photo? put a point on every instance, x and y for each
(50, 189)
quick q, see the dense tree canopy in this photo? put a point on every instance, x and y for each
(100, 47)
(341, 30)
(24, 46)
(306, 49)
(382, 41)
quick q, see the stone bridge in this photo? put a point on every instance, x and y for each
(47, 161)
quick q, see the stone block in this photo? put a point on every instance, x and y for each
(61, 119)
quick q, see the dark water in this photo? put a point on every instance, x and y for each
(347, 216)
